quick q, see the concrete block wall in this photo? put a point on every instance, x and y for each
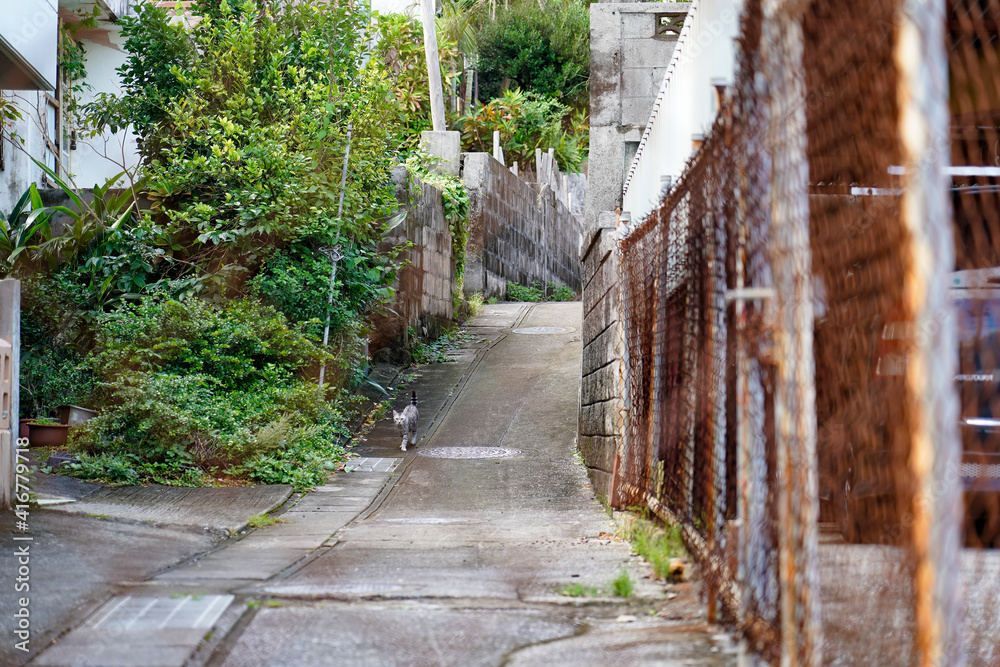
(628, 60)
(431, 255)
(426, 284)
(518, 231)
(600, 416)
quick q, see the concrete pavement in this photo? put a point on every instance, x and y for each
(452, 553)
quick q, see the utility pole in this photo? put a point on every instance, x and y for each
(433, 65)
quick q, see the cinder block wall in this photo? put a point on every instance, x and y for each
(515, 232)
(629, 54)
(426, 284)
(600, 416)
(628, 58)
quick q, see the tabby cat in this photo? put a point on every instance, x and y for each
(406, 421)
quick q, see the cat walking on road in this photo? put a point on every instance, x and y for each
(406, 421)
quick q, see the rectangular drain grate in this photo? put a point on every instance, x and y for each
(128, 613)
(372, 464)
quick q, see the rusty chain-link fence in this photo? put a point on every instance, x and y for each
(811, 337)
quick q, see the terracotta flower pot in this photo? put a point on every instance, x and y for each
(46, 435)
(23, 428)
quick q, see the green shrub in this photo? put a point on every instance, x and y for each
(296, 282)
(559, 292)
(535, 292)
(243, 121)
(526, 121)
(542, 50)
(124, 469)
(209, 386)
(531, 292)
(52, 325)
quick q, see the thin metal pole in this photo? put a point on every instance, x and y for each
(343, 173)
(334, 254)
(924, 121)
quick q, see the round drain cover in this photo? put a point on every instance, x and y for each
(541, 330)
(468, 452)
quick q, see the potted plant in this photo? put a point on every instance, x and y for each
(47, 432)
(74, 414)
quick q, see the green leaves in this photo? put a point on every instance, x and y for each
(15, 233)
(243, 125)
(542, 50)
(192, 380)
(455, 199)
(526, 121)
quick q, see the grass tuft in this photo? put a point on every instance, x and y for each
(578, 590)
(622, 585)
(660, 547)
(262, 520)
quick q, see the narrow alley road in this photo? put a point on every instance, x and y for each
(452, 553)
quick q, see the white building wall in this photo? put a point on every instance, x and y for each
(95, 159)
(686, 106)
(99, 158)
(21, 139)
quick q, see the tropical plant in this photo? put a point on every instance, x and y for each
(108, 211)
(400, 48)
(526, 122)
(20, 227)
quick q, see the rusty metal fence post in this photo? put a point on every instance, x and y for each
(924, 122)
(795, 391)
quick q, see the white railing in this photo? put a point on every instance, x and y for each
(701, 67)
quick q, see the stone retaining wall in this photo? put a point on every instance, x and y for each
(600, 417)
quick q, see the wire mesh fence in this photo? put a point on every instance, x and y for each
(811, 337)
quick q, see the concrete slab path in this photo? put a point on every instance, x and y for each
(452, 553)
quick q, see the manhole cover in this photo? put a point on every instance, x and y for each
(468, 452)
(541, 330)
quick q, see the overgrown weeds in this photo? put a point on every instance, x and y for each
(621, 586)
(425, 351)
(579, 590)
(660, 546)
(262, 520)
(535, 292)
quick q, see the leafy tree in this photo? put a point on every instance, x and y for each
(243, 123)
(400, 50)
(543, 50)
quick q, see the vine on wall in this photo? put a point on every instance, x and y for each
(455, 198)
